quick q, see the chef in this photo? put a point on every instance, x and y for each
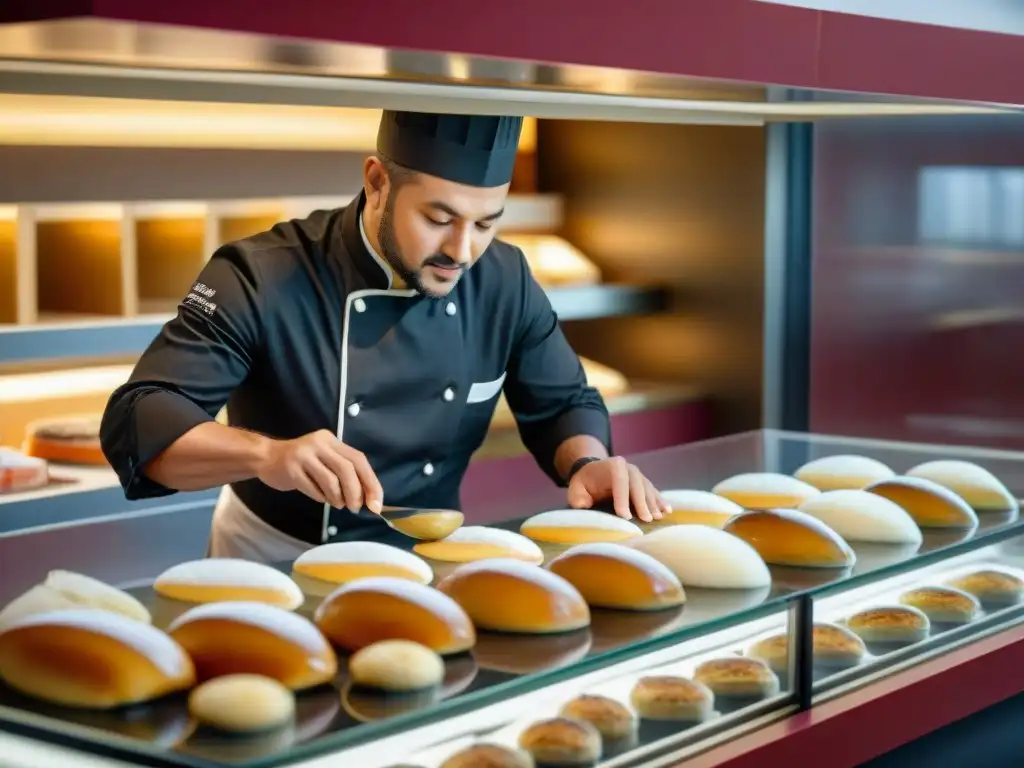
(361, 353)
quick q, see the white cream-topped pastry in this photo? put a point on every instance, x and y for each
(981, 489)
(843, 472)
(765, 490)
(347, 560)
(863, 516)
(218, 579)
(578, 526)
(701, 556)
(478, 542)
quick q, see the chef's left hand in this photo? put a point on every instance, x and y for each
(620, 481)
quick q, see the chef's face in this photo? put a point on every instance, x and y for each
(431, 230)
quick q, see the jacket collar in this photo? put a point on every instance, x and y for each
(372, 267)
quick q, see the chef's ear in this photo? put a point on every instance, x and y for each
(375, 182)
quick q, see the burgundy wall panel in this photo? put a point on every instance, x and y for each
(918, 280)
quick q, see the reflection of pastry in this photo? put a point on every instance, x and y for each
(664, 697)
(612, 719)
(995, 589)
(221, 578)
(578, 526)
(899, 624)
(488, 756)
(698, 508)
(843, 472)
(701, 556)
(91, 659)
(527, 654)
(64, 589)
(71, 439)
(975, 485)
(242, 704)
(612, 629)
(788, 537)
(378, 608)
(833, 647)
(765, 490)
(562, 741)
(930, 504)
(506, 595)
(943, 605)
(396, 666)
(368, 705)
(347, 560)
(614, 576)
(863, 516)
(478, 542)
(737, 676)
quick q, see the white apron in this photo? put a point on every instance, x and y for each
(237, 532)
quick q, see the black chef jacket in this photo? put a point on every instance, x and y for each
(297, 329)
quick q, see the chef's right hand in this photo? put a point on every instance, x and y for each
(325, 469)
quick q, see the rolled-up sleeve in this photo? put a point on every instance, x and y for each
(185, 376)
(546, 386)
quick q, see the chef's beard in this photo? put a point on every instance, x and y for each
(393, 255)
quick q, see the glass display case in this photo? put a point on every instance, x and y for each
(814, 633)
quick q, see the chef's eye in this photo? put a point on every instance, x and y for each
(436, 223)
(483, 226)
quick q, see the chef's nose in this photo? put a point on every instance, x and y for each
(459, 247)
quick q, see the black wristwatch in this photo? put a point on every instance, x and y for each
(580, 464)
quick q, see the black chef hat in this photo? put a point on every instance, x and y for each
(478, 150)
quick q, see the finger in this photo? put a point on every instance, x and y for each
(638, 495)
(654, 502)
(578, 496)
(305, 484)
(373, 493)
(351, 488)
(620, 489)
(325, 480)
(660, 500)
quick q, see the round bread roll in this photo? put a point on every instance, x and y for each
(69, 439)
(240, 637)
(345, 561)
(789, 537)
(738, 677)
(943, 605)
(91, 659)
(562, 741)
(898, 624)
(614, 721)
(617, 577)
(995, 589)
(843, 473)
(765, 490)
(397, 666)
(700, 556)
(242, 704)
(506, 595)
(863, 516)
(930, 504)
(664, 697)
(478, 542)
(975, 485)
(489, 756)
(223, 578)
(377, 608)
(578, 526)
(834, 647)
(65, 590)
(698, 508)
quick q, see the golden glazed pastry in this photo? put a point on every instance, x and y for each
(425, 525)
(70, 440)
(943, 605)
(489, 756)
(91, 659)
(242, 704)
(975, 485)
(217, 579)
(698, 508)
(65, 589)
(995, 589)
(899, 624)
(833, 647)
(930, 504)
(765, 490)
(843, 472)
(578, 526)
(507, 595)
(377, 608)
(253, 638)
(738, 677)
(562, 741)
(345, 561)
(614, 721)
(701, 556)
(863, 516)
(478, 542)
(396, 666)
(788, 537)
(617, 577)
(665, 697)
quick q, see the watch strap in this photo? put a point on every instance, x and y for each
(578, 465)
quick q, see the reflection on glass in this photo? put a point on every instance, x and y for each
(971, 205)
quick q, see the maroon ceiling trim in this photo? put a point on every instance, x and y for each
(743, 40)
